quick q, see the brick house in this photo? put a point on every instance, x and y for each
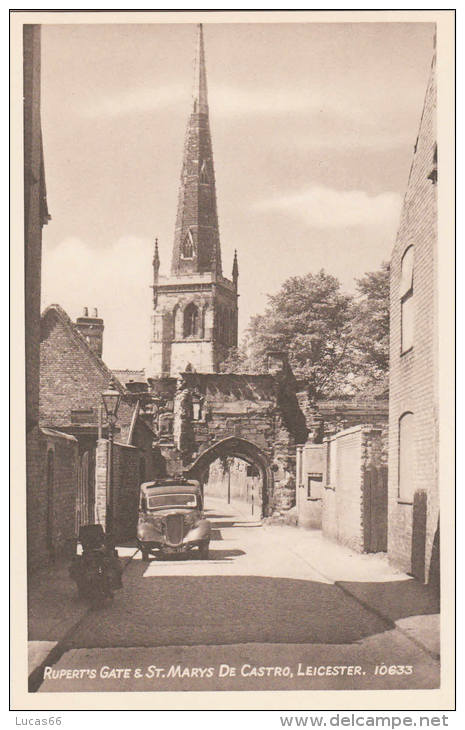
(72, 379)
(413, 537)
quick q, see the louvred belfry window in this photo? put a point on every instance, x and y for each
(187, 251)
(191, 320)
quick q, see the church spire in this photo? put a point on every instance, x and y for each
(200, 76)
(197, 239)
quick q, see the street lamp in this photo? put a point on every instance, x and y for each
(111, 399)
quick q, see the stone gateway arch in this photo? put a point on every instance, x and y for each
(200, 417)
(239, 448)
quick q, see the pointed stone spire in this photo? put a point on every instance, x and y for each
(200, 77)
(197, 239)
(235, 269)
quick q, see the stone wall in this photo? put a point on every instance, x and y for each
(209, 409)
(413, 374)
(337, 414)
(51, 496)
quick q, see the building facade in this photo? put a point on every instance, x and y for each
(194, 321)
(51, 456)
(73, 377)
(413, 536)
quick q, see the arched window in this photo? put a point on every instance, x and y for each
(191, 320)
(406, 301)
(406, 457)
(187, 250)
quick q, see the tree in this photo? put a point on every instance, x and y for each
(370, 328)
(308, 318)
(336, 344)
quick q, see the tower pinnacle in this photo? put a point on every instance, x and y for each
(156, 256)
(235, 269)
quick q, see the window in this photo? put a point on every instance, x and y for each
(406, 300)
(406, 457)
(191, 320)
(187, 251)
(314, 484)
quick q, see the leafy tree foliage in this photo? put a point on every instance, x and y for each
(336, 344)
(370, 319)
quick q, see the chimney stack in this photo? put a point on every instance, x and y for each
(91, 328)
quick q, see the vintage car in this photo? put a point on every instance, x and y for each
(171, 518)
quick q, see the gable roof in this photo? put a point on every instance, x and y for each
(81, 342)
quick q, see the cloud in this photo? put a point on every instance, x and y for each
(321, 207)
(224, 101)
(136, 101)
(228, 101)
(115, 280)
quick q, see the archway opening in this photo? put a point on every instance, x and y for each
(235, 471)
(236, 482)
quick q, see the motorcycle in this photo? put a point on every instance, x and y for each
(97, 571)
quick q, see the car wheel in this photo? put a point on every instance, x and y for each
(145, 555)
(204, 549)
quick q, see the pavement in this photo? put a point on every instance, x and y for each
(286, 592)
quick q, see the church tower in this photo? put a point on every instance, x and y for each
(194, 321)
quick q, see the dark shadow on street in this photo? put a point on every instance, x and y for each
(397, 599)
(232, 523)
(194, 555)
(157, 610)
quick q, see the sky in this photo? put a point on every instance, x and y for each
(313, 127)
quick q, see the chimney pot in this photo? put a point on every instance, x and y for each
(95, 312)
(85, 312)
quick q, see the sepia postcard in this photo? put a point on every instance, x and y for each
(232, 298)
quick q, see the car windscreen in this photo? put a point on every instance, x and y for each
(161, 501)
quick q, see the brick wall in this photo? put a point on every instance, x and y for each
(413, 385)
(341, 514)
(311, 460)
(126, 483)
(354, 505)
(71, 377)
(126, 480)
(51, 503)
